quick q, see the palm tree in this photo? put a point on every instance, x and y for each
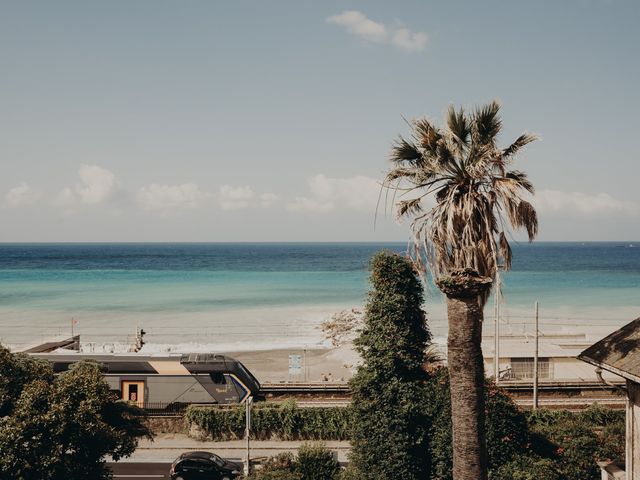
(456, 186)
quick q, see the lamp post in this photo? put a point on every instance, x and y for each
(496, 331)
(247, 434)
(535, 365)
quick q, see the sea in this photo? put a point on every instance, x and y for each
(244, 296)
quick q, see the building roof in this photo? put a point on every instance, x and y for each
(71, 343)
(618, 353)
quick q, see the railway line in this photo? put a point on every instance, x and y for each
(554, 395)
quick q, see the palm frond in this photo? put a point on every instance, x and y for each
(518, 144)
(528, 219)
(426, 134)
(505, 250)
(408, 207)
(521, 179)
(458, 125)
(402, 173)
(445, 158)
(404, 151)
(487, 123)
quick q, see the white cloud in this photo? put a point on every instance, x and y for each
(170, 197)
(357, 23)
(312, 205)
(268, 199)
(413, 42)
(236, 198)
(96, 186)
(65, 199)
(327, 194)
(22, 195)
(555, 201)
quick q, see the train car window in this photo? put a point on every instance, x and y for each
(218, 378)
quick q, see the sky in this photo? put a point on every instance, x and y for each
(272, 121)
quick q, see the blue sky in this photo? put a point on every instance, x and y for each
(271, 121)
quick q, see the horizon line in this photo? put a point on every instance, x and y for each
(227, 242)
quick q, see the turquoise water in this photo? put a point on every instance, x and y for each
(270, 293)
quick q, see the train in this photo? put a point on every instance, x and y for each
(157, 381)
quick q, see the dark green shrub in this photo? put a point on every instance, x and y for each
(281, 461)
(278, 467)
(390, 424)
(506, 427)
(525, 467)
(613, 438)
(599, 416)
(316, 462)
(275, 475)
(576, 449)
(348, 474)
(576, 441)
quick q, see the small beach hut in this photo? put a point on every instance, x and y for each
(619, 353)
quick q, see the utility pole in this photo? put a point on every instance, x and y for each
(247, 433)
(535, 364)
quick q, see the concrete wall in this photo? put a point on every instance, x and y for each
(159, 425)
(572, 368)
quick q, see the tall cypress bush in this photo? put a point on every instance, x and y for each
(389, 390)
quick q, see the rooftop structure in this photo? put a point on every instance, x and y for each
(619, 353)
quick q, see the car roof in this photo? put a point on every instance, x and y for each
(205, 455)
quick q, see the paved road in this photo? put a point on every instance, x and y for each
(139, 470)
(166, 447)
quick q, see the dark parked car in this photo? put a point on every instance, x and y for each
(204, 466)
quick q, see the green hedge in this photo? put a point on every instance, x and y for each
(314, 462)
(576, 441)
(284, 421)
(521, 445)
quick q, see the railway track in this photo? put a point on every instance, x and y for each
(290, 387)
(553, 403)
(579, 401)
(510, 386)
(569, 395)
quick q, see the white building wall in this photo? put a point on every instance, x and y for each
(560, 369)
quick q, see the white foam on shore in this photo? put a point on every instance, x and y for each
(272, 328)
(196, 347)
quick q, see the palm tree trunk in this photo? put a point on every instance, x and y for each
(465, 293)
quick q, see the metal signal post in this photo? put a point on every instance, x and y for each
(247, 433)
(535, 364)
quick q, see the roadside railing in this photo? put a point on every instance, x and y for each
(161, 409)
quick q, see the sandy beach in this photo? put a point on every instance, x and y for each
(322, 364)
